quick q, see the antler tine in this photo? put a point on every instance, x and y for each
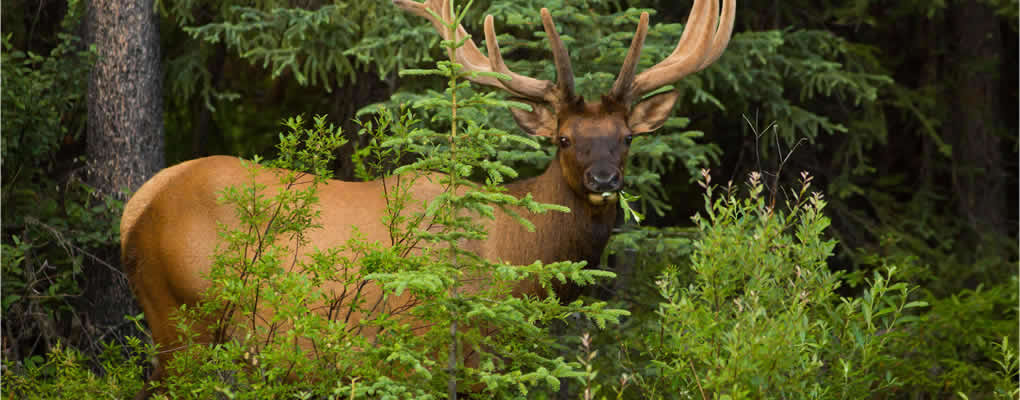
(621, 87)
(564, 71)
(701, 44)
(518, 85)
(472, 59)
(722, 35)
(536, 89)
(467, 55)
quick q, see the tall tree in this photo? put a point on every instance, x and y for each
(125, 131)
(979, 176)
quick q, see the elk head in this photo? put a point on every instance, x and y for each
(593, 137)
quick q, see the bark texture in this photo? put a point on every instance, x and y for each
(125, 122)
(124, 137)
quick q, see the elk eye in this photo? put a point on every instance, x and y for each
(628, 139)
(564, 141)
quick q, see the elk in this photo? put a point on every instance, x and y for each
(169, 226)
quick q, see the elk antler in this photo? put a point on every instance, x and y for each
(699, 46)
(472, 59)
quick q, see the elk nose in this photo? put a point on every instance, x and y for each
(602, 181)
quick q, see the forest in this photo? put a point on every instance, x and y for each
(829, 210)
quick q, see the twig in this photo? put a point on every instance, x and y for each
(452, 363)
(697, 380)
(67, 245)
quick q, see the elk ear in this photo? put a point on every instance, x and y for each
(651, 113)
(539, 121)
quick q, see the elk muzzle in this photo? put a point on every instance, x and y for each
(602, 183)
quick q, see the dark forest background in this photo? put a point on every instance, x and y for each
(905, 113)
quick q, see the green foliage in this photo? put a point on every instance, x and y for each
(65, 373)
(970, 339)
(762, 317)
(41, 93)
(48, 248)
(296, 53)
(305, 42)
(53, 223)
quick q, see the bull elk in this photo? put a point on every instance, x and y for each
(169, 227)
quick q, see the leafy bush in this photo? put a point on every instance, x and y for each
(66, 373)
(762, 315)
(42, 92)
(965, 345)
(52, 222)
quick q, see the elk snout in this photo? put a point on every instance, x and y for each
(601, 180)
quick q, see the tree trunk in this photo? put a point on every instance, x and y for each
(125, 136)
(978, 175)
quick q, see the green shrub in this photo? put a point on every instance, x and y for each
(52, 223)
(965, 344)
(65, 373)
(762, 316)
